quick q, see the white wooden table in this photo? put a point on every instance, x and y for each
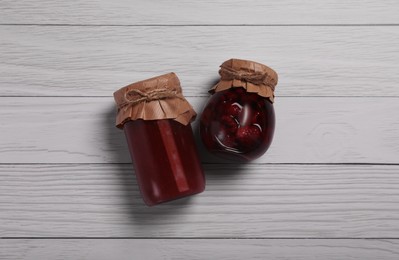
(328, 188)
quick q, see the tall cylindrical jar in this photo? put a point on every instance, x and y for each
(156, 119)
(238, 121)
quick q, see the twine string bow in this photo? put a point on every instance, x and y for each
(135, 96)
(257, 78)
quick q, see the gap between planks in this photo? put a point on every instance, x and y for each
(202, 25)
(202, 238)
(220, 164)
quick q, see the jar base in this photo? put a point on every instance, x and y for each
(239, 157)
(168, 200)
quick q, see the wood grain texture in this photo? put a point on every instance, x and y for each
(64, 168)
(65, 249)
(251, 201)
(125, 12)
(96, 61)
(308, 130)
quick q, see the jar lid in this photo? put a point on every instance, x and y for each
(253, 76)
(153, 99)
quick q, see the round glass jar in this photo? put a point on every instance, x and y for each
(238, 121)
(156, 118)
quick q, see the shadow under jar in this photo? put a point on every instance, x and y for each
(156, 118)
(238, 121)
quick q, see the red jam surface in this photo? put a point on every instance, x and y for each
(165, 158)
(237, 125)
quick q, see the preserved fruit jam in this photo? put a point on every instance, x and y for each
(238, 121)
(156, 119)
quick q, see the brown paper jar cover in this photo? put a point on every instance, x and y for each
(252, 76)
(153, 99)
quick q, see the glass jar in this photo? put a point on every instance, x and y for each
(238, 121)
(156, 118)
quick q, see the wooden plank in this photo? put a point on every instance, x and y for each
(199, 249)
(255, 201)
(309, 130)
(96, 61)
(124, 12)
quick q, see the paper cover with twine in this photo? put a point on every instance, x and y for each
(252, 76)
(153, 99)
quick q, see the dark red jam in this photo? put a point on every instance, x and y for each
(165, 158)
(156, 119)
